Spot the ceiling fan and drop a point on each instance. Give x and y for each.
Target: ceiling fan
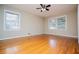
(44, 7)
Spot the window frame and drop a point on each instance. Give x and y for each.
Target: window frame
(56, 18)
(15, 13)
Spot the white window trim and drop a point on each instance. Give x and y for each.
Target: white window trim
(5, 20)
(56, 22)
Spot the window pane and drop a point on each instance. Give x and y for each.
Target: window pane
(57, 23)
(52, 24)
(11, 21)
(61, 23)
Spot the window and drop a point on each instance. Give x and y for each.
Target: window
(52, 24)
(58, 23)
(61, 23)
(12, 21)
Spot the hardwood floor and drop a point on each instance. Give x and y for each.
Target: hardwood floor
(40, 44)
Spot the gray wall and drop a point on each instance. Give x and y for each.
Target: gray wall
(36, 25)
(29, 24)
(71, 25)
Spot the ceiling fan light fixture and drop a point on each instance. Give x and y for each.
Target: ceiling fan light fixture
(44, 7)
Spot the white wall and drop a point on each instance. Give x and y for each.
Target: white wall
(71, 25)
(1, 24)
(29, 24)
(36, 25)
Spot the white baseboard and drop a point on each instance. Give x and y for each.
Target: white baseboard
(65, 35)
(34, 35)
(13, 37)
(18, 36)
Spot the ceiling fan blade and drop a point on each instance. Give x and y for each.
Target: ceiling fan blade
(47, 9)
(42, 5)
(38, 8)
(48, 5)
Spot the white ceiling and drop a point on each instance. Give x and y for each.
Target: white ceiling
(55, 9)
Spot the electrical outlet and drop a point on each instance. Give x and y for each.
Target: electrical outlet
(29, 33)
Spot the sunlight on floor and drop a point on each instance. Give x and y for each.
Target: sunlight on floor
(53, 43)
(11, 50)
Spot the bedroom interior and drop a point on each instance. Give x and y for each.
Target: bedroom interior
(39, 29)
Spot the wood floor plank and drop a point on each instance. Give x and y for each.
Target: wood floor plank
(40, 44)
